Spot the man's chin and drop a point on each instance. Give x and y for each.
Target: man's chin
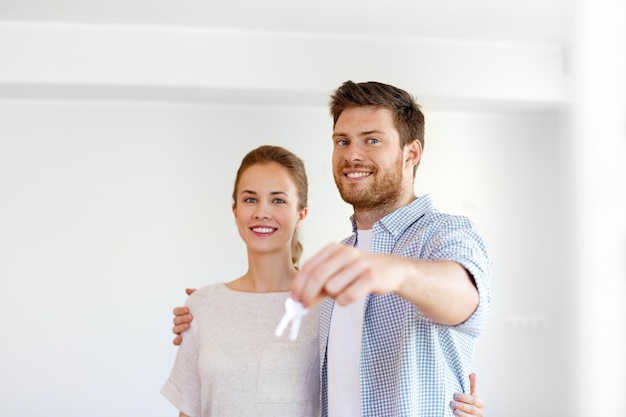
(350, 194)
(355, 199)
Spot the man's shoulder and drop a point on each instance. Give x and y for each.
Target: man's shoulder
(438, 217)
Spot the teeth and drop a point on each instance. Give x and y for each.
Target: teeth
(262, 229)
(357, 174)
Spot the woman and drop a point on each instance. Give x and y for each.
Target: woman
(231, 363)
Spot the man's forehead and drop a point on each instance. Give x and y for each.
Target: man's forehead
(364, 120)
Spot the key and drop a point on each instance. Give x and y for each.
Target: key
(294, 311)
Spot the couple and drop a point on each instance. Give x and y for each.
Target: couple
(394, 311)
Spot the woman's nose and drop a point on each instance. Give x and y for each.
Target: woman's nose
(262, 213)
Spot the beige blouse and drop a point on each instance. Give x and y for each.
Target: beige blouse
(230, 363)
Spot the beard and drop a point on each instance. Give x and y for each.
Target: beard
(384, 190)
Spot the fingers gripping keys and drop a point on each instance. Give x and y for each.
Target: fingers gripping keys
(294, 311)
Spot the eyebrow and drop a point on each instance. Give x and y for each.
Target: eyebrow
(364, 133)
(271, 193)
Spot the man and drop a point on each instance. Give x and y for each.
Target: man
(405, 297)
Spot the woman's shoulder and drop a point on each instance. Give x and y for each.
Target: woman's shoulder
(208, 291)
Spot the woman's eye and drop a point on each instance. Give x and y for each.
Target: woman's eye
(279, 201)
(249, 200)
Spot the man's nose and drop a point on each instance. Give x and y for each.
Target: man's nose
(353, 153)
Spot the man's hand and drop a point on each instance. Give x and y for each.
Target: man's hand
(182, 319)
(468, 405)
(345, 274)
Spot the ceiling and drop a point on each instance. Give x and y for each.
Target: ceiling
(531, 21)
(54, 49)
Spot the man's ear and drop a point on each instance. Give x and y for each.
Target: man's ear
(413, 152)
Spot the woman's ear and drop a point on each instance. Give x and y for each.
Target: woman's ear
(302, 214)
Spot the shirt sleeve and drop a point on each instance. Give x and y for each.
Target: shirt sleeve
(458, 240)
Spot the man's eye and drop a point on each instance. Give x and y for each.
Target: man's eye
(372, 140)
(341, 142)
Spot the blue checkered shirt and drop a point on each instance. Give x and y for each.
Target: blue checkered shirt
(410, 365)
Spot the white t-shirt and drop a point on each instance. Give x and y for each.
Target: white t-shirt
(344, 350)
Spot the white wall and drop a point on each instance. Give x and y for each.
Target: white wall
(109, 209)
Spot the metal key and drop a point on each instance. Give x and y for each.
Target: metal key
(294, 311)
